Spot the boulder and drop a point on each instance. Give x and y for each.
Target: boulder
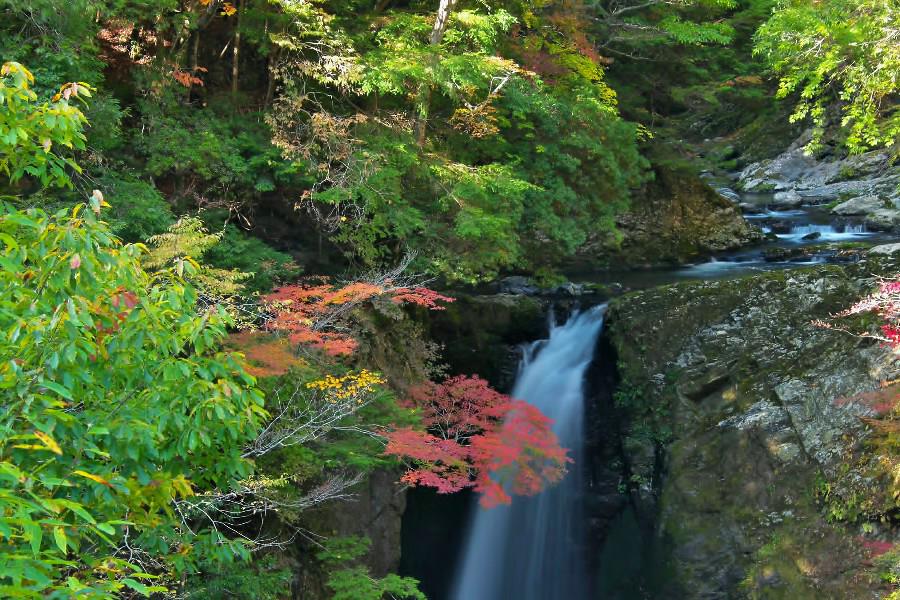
(518, 285)
(729, 194)
(780, 226)
(786, 254)
(676, 217)
(861, 205)
(786, 200)
(823, 180)
(569, 289)
(749, 401)
(751, 208)
(885, 249)
(883, 219)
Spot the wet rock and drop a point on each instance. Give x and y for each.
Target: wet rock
(786, 200)
(812, 236)
(824, 180)
(744, 445)
(374, 510)
(676, 217)
(570, 289)
(885, 249)
(729, 194)
(883, 219)
(704, 383)
(751, 208)
(519, 285)
(785, 254)
(482, 333)
(861, 205)
(779, 226)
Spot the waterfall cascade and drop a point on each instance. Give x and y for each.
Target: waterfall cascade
(532, 549)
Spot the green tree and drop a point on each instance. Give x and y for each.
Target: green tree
(119, 407)
(436, 133)
(31, 133)
(647, 28)
(843, 52)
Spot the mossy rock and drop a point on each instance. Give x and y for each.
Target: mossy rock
(480, 334)
(739, 388)
(675, 218)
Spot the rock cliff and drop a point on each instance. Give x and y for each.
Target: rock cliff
(676, 217)
(735, 428)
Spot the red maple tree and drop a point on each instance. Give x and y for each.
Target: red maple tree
(314, 314)
(477, 437)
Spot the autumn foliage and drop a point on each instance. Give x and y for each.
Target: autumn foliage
(477, 437)
(266, 355)
(313, 314)
(881, 401)
(885, 303)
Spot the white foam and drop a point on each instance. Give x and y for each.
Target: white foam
(827, 233)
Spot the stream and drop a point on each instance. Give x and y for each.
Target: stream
(795, 237)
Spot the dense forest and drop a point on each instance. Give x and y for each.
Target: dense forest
(237, 233)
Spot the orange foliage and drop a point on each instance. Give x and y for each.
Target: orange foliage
(186, 78)
(266, 355)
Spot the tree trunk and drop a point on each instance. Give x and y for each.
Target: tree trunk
(274, 53)
(236, 50)
(445, 9)
(193, 61)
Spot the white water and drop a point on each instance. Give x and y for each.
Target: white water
(532, 550)
(775, 214)
(716, 268)
(827, 233)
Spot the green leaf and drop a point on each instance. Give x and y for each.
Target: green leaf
(59, 389)
(59, 536)
(34, 535)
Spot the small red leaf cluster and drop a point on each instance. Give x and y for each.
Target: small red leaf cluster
(108, 321)
(881, 401)
(312, 314)
(875, 547)
(886, 303)
(477, 437)
(420, 296)
(891, 334)
(187, 78)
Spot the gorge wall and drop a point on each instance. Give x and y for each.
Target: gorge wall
(734, 427)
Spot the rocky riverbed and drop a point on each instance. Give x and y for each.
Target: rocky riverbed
(864, 185)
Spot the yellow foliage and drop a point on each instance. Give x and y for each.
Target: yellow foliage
(348, 387)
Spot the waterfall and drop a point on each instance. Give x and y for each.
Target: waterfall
(532, 549)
